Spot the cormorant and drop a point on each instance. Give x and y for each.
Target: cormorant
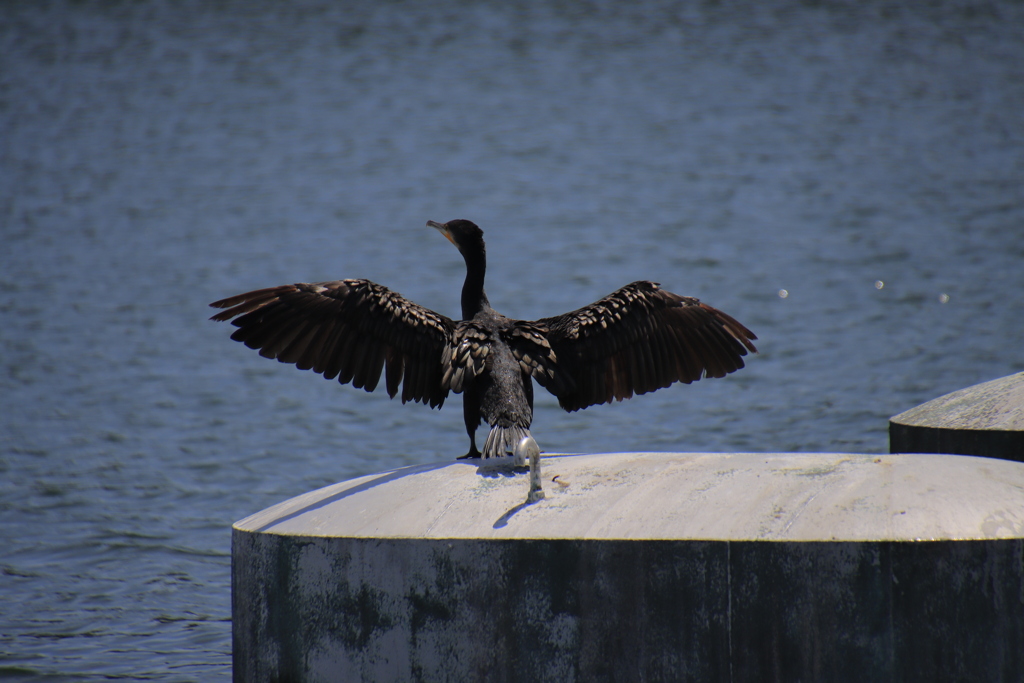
(637, 339)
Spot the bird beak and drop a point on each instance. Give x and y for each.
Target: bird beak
(443, 229)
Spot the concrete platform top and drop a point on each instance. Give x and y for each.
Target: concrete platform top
(995, 405)
(673, 496)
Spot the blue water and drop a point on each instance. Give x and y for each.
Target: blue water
(866, 158)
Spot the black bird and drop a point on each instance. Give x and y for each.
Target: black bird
(637, 339)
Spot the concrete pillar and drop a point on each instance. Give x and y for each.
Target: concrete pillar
(642, 566)
(985, 419)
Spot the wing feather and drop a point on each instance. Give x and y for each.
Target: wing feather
(363, 363)
(294, 351)
(338, 355)
(374, 371)
(276, 340)
(317, 346)
(349, 329)
(638, 339)
(394, 371)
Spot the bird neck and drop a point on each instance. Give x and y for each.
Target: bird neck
(474, 299)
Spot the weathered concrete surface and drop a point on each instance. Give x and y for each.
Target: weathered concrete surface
(655, 566)
(986, 419)
(673, 496)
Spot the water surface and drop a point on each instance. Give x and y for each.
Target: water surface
(865, 158)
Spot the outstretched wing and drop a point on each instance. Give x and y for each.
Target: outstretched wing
(349, 329)
(638, 339)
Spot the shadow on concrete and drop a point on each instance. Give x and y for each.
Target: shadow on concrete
(488, 471)
(383, 478)
(503, 520)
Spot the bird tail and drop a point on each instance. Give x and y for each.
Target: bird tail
(501, 443)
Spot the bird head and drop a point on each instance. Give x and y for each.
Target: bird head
(461, 233)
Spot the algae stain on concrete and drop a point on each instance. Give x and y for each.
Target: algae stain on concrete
(355, 616)
(435, 605)
(282, 592)
(427, 607)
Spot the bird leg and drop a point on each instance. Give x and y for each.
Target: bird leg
(473, 452)
(471, 414)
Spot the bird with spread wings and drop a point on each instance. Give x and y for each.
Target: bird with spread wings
(638, 339)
